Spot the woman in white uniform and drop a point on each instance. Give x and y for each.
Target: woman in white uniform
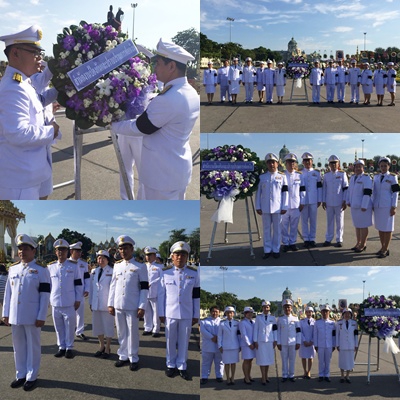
(228, 344)
(102, 320)
(210, 81)
(347, 343)
(246, 327)
(358, 198)
(235, 79)
(366, 83)
(384, 200)
(307, 350)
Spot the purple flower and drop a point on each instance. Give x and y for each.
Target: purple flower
(69, 42)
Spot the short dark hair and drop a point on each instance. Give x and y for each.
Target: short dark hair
(214, 307)
(181, 67)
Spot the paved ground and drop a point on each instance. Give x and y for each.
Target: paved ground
(237, 251)
(298, 116)
(86, 377)
(380, 387)
(100, 172)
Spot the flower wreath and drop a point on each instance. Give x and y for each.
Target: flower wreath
(122, 93)
(298, 72)
(215, 184)
(381, 327)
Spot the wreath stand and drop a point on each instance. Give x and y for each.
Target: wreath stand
(299, 96)
(78, 148)
(249, 230)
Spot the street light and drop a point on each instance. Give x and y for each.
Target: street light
(363, 289)
(230, 28)
(365, 40)
(133, 5)
(362, 151)
(223, 276)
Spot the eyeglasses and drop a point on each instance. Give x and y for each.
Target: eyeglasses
(37, 53)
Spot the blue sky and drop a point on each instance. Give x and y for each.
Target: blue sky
(153, 18)
(320, 145)
(147, 222)
(316, 284)
(315, 24)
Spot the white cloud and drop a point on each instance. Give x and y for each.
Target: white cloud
(53, 214)
(35, 2)
(342, 29)
(350, 291)
(337, 278)
(4, 4)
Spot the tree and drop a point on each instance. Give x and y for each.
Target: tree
(73, 237)
(194, 241)
(189, 40)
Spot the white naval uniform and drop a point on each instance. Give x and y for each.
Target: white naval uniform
(265, 334)
(235, 78)
(210, 80)
(346, 342)
(179, 303)
(341, 77)
(289, 335)
(296, 196)
(269, 80)
(358, 196)
(248, 78)
(271, 198)
(222, 80)
(229, 340)
(391, 80)
(353, 78)
(209, 349)
(380, 81)
(26, 299)
(316, 81)
(246, 328)
(83, 269)
(128, 292)
(366, 81)
(384, 196)
(151, 318)
(165, 169)
(325, 341)
(23, 138)
(259, 79)
(330, 82)
(280, 81)
(334, 195)
(313, 184)
(307, 335)
(66, 289)
(102, 320)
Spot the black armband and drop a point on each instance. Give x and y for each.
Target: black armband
(370, 77)
(86, 275)
(384, 75)
(285, 188)
(144, 124)
(196, 293)
(78, 282)
(44, 287)
(144, 285)
(319, 184)
(298, 330)
(355, 332)
(334, 332)
(395, 188)
(345, 188)
(274, 327)
(367, 192)
(302, 188)
(238, 332)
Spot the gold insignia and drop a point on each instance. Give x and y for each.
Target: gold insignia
(119, 261)
(192, 268)
(165, 90)
(53, 262)
(40, 34)
(14, 263)
(40, 263)
(17, 77)
(181, 245)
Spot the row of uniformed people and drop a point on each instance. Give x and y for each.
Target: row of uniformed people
(223, 339)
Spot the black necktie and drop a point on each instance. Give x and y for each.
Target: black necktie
(382, 176)
(266, 317)
(308, 322)
(100, 273)
(347, 324)
(230, 324)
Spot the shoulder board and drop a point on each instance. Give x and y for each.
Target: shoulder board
(192, 268)
(40, 263)
(15, 263)
(167, 268)
(165, 90)
(298, 172)
(392, 173)
(17, 77)
(280, 172)
(73, 261)
(377, 173)
(340, 170)
(53, 262)
(119, 261)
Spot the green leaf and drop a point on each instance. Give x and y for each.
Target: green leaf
(62, 98)
(83, 123)
(71, 114)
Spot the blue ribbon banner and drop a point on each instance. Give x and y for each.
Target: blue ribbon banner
(227, 166)
(302, 65)
(380, 312)
(94, 69)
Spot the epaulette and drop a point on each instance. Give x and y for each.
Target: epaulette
(117, 262)
(167, 267)
(73, 261)
(165, 90)
(392, 173)
(298, 172)
(53, 262)
(40, 263)
(17, 262)
(192, 268)
(17, 77)
(280, 172)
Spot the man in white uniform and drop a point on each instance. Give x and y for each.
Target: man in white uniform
(222, 80)
(165, 169)
(24, 137)
(26, 300)
(353, 79)
(269, 80)
(249, 73)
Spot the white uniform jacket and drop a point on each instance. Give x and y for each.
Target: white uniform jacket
(265, 330)
(100, 289)
(385, 191)
(366, 77)
(154, 273)
(330, 76)
(313, 184)
(249, 74)
(27, 293)
(316, 77)
(307, 330)
(209, 329)
(324, 333)
(359, 192)
(210, 76)
(296, 189)
(346, 338)
(341, 74)
(289, 332)
(272, 193)
(354, 76)
(129, 286)
(229, 336)
(222, 76)
(280, 76)
(391, 80)
(334, 188)
(66, 283)
(83, 269)
(269, 76)
(246, 332)
(180, 293)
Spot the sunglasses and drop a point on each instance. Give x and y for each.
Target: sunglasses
(37, 53)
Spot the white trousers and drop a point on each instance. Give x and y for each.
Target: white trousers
(249, 89)
(330, 92)
(31, 193)
(269, 91)
(290, 224)
(177, 333)
(207, 359)
(316, 93)
(153, 194)
(151, 319)
(80, 319)
(324, 361)
(224, 93)
(341, 88)
(27, 351)
(64, 319)
(128, 335)
(288, 356)
(309, 222)
(355, 92)
(334, 215)
(272, 232)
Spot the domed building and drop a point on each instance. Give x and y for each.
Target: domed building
(291, 51)
(283, 153)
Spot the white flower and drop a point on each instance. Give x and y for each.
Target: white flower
(78, 61)
(90, 55)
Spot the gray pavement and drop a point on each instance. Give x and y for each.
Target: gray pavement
(86, 377)
(237, 251)
(297, 116)
(384, 383)
(100, 172)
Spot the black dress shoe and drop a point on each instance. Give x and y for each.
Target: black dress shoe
(266, 255)
(121, 363)
(285, 248)
(306, 244)
(326, 244)
(82, 336)
(283, 379)
(16, 383)
(184, 375)
(219, 380)
(29, 385)
(293, 247)
(170, 372)
(203, 381)
(60, 353)
(99, 353)
(247, 383)
(156, 335)
(339, 244)
(354, 248)
(292, 380)
(327, 379)
(320, 379)
(384, 254)
(276, 255)
(146, 333)
(360, 250)
(348, 380)
(134, 366)
(312, 243)
(69, 354)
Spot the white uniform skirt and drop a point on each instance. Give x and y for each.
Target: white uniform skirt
(306, 352)
(248, 353)
(367, 89)
(103, 323)
(346, 359)
(234, 88)
(210, 88)
(265, 354)
(382, 219)
(361, 219)
(230, 356)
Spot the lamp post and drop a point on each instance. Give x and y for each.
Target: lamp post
(230, 27)
(363, 290)
(365, 40)
(223, 276)
(133, 5)
(362, 148)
